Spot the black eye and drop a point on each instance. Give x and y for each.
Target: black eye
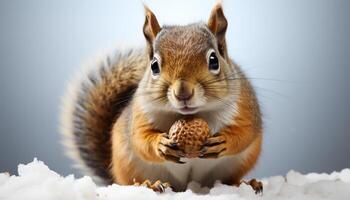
(213, 62)
(155, 67)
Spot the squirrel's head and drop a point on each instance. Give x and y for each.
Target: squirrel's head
(189, 69)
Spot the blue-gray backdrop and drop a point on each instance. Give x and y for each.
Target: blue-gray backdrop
(296, 52)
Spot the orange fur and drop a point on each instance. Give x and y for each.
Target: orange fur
(244, 132)
(250, 160)
(144, 143)
(122, 168)
(145, 138)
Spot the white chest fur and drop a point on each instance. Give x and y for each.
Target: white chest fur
(203, 170)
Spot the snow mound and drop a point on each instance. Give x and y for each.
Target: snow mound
(35, 181)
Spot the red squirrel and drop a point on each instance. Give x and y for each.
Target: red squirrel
(116, 116)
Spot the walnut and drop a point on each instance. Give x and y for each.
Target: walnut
(190, 135)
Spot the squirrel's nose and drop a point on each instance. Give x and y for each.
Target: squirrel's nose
(183, 90)
(184, 95)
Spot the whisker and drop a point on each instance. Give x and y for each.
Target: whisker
(232, 75)
(272, 91)
(227, 103)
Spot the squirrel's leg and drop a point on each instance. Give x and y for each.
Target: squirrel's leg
(230, 141)
(139, 141)
(152, 145)
(157, 186)
(156, 147)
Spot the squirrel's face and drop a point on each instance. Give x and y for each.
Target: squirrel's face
(189, 70)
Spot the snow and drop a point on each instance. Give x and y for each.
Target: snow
(35, 181)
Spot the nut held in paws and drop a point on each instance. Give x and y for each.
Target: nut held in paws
(190, 134)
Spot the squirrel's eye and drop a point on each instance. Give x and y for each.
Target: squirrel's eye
(155, 67)
(213, 63)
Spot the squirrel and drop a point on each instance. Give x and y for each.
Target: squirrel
(116, 116)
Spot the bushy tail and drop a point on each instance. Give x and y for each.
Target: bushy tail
(92, 104)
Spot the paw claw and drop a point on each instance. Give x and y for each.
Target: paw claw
(256, 185)
(213, 151)
(174, 144)
(203, 150)
(169, 151)
(157, 186)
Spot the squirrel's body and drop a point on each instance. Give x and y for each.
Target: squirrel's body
(116, 117)
(229, 169)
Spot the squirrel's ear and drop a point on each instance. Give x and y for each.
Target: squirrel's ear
(217, 24)
(150, 28)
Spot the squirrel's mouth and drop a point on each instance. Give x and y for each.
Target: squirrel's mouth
(188, 110)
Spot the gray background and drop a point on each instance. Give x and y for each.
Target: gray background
(296, 53)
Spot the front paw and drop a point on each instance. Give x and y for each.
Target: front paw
(169, 150)
(214, 147)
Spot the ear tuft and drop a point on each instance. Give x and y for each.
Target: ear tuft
(217, 24)
(151, 26)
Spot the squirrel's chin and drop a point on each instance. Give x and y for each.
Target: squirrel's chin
(187, 110)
